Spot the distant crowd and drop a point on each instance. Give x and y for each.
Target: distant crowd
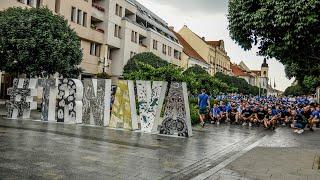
(298, 113)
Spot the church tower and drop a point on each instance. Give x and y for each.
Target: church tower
(265, 69)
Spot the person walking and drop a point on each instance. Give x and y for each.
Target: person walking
(204, 105)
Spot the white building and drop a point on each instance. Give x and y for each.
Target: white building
(133, 29)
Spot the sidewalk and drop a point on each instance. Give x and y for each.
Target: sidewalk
(2, 107)
(60, 151)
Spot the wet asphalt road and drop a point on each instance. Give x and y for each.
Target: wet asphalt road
(36, 150)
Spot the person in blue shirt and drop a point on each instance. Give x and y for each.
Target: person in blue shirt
(215, 114)
(204, 104)
(315, 117)
(224, 111)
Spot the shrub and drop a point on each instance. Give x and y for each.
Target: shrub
(103, 75)
(196, 70)
(145, 58)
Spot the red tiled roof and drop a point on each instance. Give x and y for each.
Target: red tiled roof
(237, 71)
(188, 49)
(214, 43)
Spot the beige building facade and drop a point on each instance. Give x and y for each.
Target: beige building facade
(111, 31)
(213, 52)
(190, 57)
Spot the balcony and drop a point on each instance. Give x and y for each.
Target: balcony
(97, 24)
(142, 41)
(98, 10)
(98, 7)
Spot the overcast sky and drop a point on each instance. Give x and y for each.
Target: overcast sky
(208, 18)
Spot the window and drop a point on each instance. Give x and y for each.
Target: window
(169, 50)
(39, 3)
(164, 49)
(57, 6)
(132, 54)
(120, 13)
(117, 31)
(177, 54)
(84, 20)
(118, 10)
(134, 36)
(73, 14)
(95, 49)
(155, 44)
(79, 17)
(29, 2)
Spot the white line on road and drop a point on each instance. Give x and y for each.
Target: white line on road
(223, 164)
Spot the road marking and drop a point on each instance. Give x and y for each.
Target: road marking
(223, 164)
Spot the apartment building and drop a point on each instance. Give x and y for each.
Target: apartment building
(213, 52)
(133, 29)
(87, 18)
(111, 31)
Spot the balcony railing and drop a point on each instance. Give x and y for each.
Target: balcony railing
(141, 44)
(98, 7)
(94, 27)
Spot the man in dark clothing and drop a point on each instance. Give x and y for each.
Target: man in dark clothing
(247, 116)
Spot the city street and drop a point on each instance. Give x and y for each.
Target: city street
(36, 150)
(159, 90)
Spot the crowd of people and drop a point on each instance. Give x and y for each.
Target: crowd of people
(298, 113)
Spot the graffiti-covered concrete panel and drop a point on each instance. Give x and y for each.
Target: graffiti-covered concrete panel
(21, 98)
(177, 114)
(96, 101)
(69, 101)
(48, 105)
(150, 100)
(124, 109)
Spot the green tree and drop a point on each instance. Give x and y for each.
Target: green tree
(310, 83)
(286, 30)
(294, 91)
(35, 42)
(145, 58)
(167, 73)
(196, 70)
(238, 85)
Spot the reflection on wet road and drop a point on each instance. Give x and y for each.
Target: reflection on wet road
(36, 150)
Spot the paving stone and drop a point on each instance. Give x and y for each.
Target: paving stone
(36, 150)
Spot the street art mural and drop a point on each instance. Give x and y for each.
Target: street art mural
(123, 113)
(96, 101)
(177, 113)
(69, 101)
(21, 98)
(48, 105)
(150, 100)
(89, 102)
